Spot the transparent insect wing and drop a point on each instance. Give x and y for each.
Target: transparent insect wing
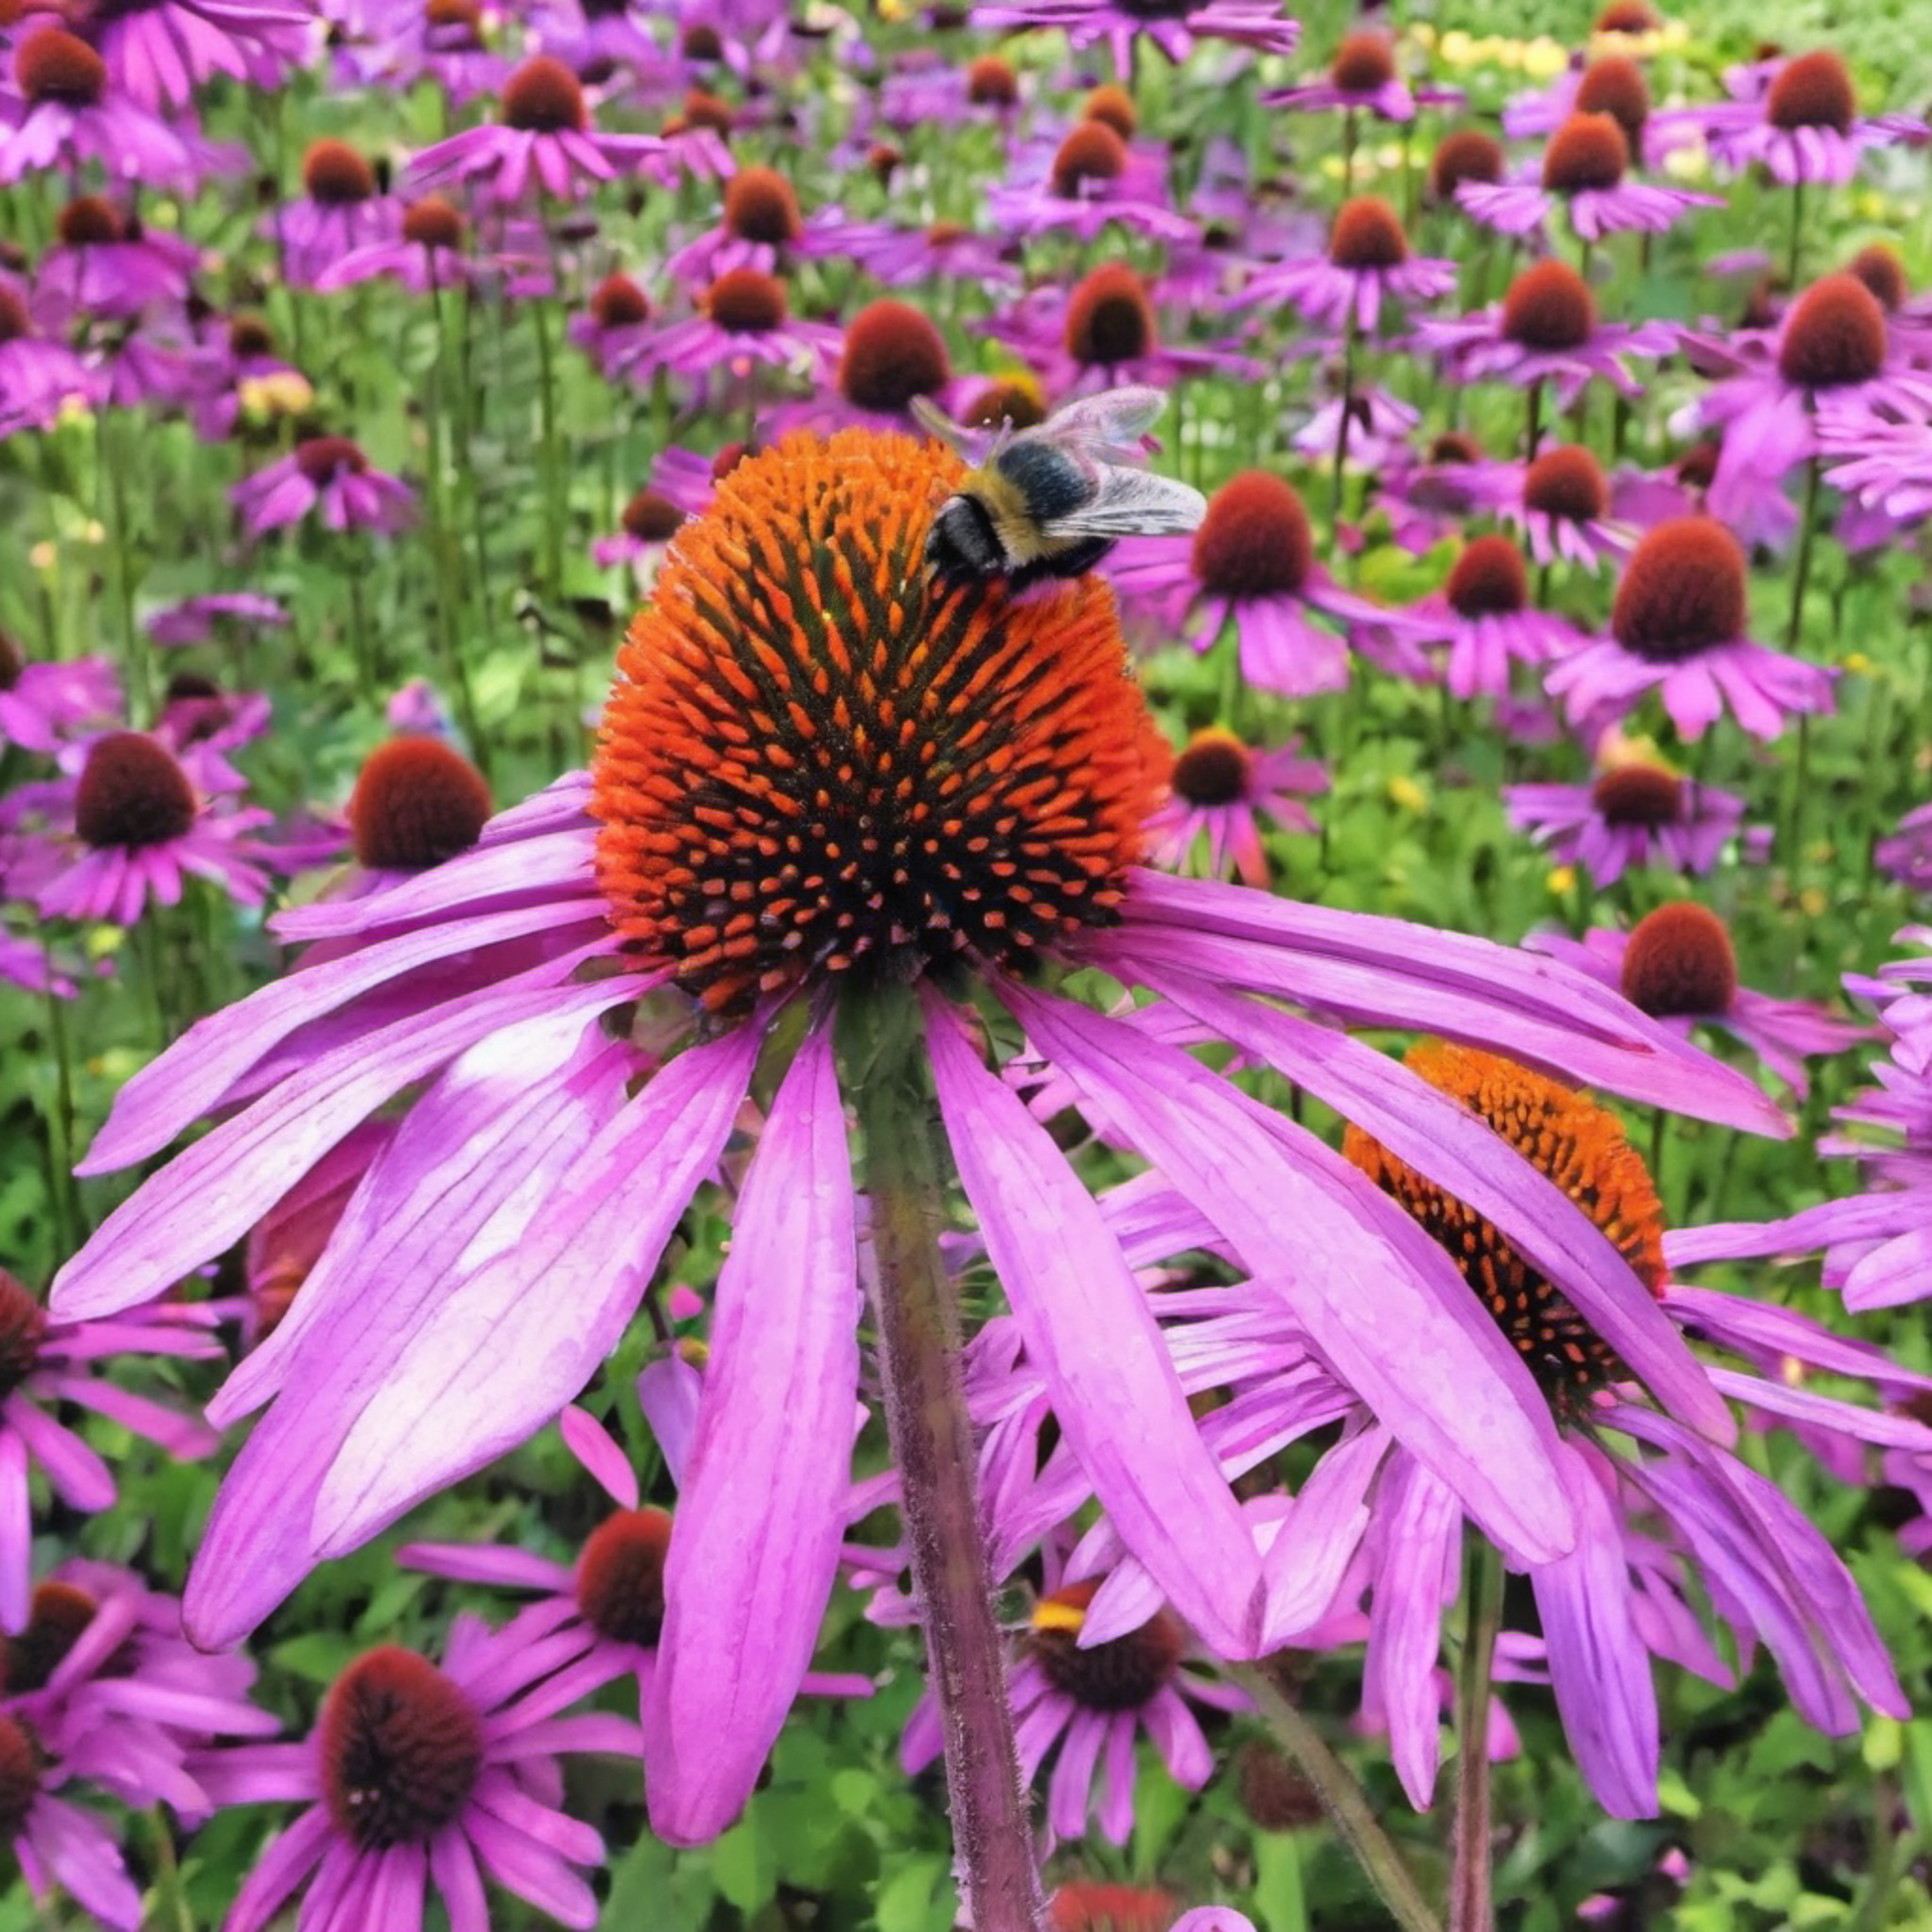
(1111, 424)
(1131, 503)
(976, 446)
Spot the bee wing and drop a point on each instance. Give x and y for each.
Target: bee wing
(1111, 423)
(1131, 503)
(977, 446)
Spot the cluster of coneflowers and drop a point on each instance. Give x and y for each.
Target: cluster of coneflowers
(855, 847)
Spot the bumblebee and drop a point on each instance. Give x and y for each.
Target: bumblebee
(1053, 501)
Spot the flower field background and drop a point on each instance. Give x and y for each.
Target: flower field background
(1562, 400)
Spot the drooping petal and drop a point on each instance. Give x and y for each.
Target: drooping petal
(1380, 1301)
(1091, 1335)
(760, 1516)
(1421, 1528)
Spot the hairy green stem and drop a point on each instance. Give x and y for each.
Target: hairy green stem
(917, 1314)
(1342, 1798)
(1471, 1903)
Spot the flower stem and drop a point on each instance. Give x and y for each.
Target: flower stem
(1797, 236)
(1342, 1798)
(917, 1314)
(1348, 418)
(1471, 1905)
(1801, 569)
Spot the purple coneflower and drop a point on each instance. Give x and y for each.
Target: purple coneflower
(1173, 25)
(826, 777)
(759, 226)
(1545, 330)
(1562, 502)
(403, 42)
(1907, 854)
(195, 620)
(418, 802)
(1636, 813)
(342, 209)
(426, 254)
(67, 114)
(1467, 154)
(1367, 263)
(1677, 628)
(1361, 76)
(46, 1364)
(1251, 564)
(328, 475)
(105, 265)
(1219, 790)
(614, 329)
(1886, 466)
(1093, 1700)
(1678, 965)
(39, 376)
(747, 324)
(422, 1782)
(158, 51)
(1091, 179)
(1485, 618)
(545, 135)
(1584, 171)
(43, 704)
(650, 519)
(1612, 84)
(1804, 127)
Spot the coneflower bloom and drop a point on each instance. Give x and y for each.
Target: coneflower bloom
(1251, 564)
(67, 113)
(195, 620)
(1220, 790)
(39, 376)
(1677, 628)
(1545, 330)
(422, 1781)
(1610, 83)
(1093, 1700)
(614, 329)
(1093, 177)
(759, 226)
(1173, 25)
(330, 475)
(650, 519)
(46, 1364)
(1562, 502)
(1466, 155)
(1367, 263)
(105, 265)
(158, 51)
(43, 703)
(1907, 854)
(1485, 621)
(1834, 344)
(417, 803)
(341, 209)
(130, 828)
(746, 324)
(1803, 127)
(1584, 172)
(1678, 965)
(544, 138)
(892, 355)
(824, 772)
(1636, 813)
(426, 254)
(1883, 466)
(1361, 76)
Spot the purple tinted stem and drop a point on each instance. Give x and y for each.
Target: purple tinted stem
(916, 1315)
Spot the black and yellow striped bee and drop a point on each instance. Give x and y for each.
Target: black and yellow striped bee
(1053, 501)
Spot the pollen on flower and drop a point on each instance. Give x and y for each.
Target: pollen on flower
(747, 302)
(1122, 1674)
(1587, 151)
(1641, 797)
(893, 353)
(401, 1747)
(1083, 1905)
(543, 97)
(432, 224)
(1488, 579)
(1682, 592)
(1108, 320)
(620, 1576)
(1016, 404)
(1113, 107)
(1575, 1143)
(821, 760)
(1834, 335)
(1679, 960)
(23, 1322)
(416, 803)
(322, 458)
(88, 221)
(1879, 268)
(56, 1618)
(334, 174)
(761, 206)
(52, 64)
(1367, 233)
(1466, 155)
(1566, 483)
(1363, 63)
(1211, 769)
(1092, 152)
(992, 82)
(20, 1777)
(1813, 90)
(619, 303)
(132, 793)
(1549, 307)
(651, 517)
(1255, 540)
(1615, 85)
